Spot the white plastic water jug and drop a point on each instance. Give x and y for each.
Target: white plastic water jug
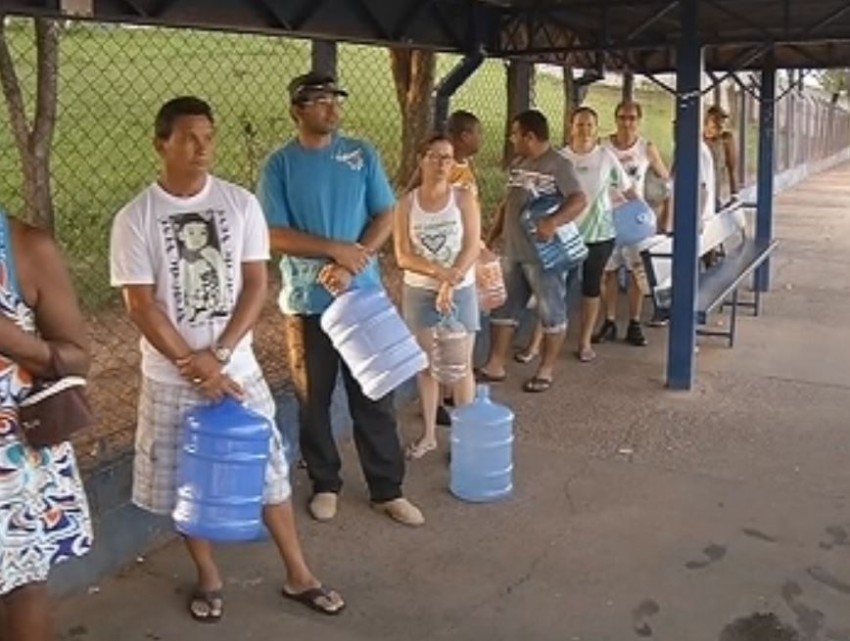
(373, 340)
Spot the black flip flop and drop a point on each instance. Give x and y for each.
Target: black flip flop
(211, 600)
(483, 377)
(311, 598)
(535, 385)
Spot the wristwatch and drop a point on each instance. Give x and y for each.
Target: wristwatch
(222, 354)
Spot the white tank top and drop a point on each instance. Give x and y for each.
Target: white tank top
(635, 161)
(436, 236)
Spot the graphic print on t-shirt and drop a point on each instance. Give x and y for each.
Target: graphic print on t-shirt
(200, 267)
(534, 182)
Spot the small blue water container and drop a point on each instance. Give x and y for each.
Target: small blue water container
(221, 472)
(482, 441)
(634, 222)
(375, 343)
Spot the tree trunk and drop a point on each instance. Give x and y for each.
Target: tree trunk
(628, 86)
(414, 72)
(34, 141)
(570, 95)
(520, 78)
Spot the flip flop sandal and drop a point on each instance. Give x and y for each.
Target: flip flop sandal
(483, 377)
(535, 385)
(206, 606)
(586, 356)
(416, 451)
(316, 599)
(524, 357)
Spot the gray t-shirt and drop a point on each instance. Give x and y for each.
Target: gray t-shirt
(528, 179)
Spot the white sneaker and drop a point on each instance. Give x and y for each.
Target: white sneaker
(323, 506)
(401, 510)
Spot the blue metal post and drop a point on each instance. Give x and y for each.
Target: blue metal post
(686, 215)
(451, 83)
(764, 211)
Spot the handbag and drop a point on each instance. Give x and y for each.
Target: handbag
(56, 408)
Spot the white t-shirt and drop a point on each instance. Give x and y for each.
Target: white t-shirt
(706, 180)
(599, 172)
(437, 237)
(191, 250)
(635, 160)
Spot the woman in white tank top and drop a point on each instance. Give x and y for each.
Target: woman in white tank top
(437, 234)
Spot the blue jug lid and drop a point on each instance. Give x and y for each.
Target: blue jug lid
(483, 409)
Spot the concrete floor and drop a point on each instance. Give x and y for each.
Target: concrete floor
(638, 512)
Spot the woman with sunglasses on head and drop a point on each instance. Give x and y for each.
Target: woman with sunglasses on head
(437, 232)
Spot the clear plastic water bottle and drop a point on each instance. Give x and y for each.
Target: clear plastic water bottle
(489, 281)
(450, 351)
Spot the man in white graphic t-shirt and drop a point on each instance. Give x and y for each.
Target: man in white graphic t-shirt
(189, 254)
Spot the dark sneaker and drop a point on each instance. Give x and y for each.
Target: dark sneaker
(443, 417)
(634, 335)
(606, 334)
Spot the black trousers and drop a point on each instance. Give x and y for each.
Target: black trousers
(314, 365)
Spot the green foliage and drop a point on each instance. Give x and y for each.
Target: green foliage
(114, 78)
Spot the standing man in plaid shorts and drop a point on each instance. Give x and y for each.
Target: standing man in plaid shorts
(189, 254)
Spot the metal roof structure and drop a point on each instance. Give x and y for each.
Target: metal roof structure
(640, 35)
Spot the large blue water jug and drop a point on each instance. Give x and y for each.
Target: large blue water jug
(373, 340)
(221, 472)
(482, 449)
(563, 250)
(634, 222)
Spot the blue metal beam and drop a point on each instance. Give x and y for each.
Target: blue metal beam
(764, 211)
(682, 339)
(453, 81)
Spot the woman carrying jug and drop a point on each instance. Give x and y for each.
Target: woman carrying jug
(436, 234)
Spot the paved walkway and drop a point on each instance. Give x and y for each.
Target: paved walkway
(639, 513)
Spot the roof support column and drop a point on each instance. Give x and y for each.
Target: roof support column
(764, 212)
(453, 81)
(323, 54)
(686, 216)
(743, 125)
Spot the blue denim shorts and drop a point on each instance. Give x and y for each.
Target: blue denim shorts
(419, 308)
(549, 288)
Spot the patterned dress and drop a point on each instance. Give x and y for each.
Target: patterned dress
(44, 516)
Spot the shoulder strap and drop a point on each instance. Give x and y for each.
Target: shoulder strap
(6, 256)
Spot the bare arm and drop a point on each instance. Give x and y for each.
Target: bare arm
(656, 163)
(571, 209)
(378, 231)
(471, 219)
(153, 323)
(47, 288)
(248, 306)
(498, 226)
(404, 255)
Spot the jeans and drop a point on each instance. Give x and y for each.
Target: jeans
(314, 364)
(549, 289)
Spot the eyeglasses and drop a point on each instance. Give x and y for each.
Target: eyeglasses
(439, 158)
(324, 101)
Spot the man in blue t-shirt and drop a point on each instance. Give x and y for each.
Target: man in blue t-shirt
(329, 206)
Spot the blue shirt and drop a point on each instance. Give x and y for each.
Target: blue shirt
(334, 192)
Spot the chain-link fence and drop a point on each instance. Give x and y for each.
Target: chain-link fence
(113, 78)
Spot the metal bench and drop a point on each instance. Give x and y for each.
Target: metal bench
(719, 284)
